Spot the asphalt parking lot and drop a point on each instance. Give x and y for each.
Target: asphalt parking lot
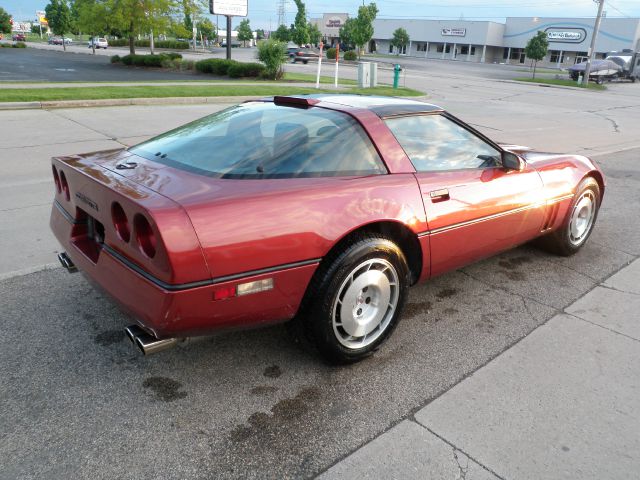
(79, 402)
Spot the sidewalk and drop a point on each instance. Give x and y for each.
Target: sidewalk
(562, 403)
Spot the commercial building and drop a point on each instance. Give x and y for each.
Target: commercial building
(330, 25)
(493, 42)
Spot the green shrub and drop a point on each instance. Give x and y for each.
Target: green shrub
(19, 45)
(127, 59)
(246, 70)
(172, 55)
(116, 59)
(350, 55)
(174, 44)
(216, 66)
(331, 53)
(273, 54)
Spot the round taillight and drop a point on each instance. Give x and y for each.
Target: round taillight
(120, 222)
(64, 185)
(144, 235)
(56, 179)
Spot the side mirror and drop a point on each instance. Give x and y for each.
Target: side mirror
(511, 161)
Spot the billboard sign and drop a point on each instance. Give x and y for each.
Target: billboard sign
(231, 8)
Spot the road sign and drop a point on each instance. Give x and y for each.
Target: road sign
(230, 8)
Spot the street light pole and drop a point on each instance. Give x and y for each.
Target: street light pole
(228, 37)
(594, 36)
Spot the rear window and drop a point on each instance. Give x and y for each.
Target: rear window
(264, 140)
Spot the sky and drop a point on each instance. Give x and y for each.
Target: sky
(263, 13)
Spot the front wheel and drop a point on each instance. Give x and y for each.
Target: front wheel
(579, 222)
(356, 301)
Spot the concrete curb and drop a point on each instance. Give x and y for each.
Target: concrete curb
(123, 102)
(546, 85)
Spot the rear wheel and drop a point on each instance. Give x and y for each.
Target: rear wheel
(355, 302)
(579, 222)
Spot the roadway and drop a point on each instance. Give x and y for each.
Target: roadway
(79, 402)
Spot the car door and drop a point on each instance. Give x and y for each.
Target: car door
(474, 206)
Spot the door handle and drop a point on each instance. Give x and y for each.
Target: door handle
(439, 195)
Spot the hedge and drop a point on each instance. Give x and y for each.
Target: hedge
(238, 70)
(175, 44)
(216, 66)
(331, 53)
(351, 55)
(13, 45)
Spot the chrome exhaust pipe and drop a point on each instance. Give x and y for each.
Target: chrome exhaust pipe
(67, 263)
(147, 343)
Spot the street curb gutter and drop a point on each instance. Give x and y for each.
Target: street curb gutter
(120, 102)
(138, 101)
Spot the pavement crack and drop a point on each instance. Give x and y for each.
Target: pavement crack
(603, 327)
(462, 471)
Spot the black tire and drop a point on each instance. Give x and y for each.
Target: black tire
(305, 61)
(366, 257)
(562, 242)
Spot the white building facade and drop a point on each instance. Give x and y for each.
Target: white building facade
(492, 42)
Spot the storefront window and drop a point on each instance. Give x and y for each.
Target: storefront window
(557, 56)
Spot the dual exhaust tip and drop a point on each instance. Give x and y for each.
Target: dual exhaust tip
(147, 343)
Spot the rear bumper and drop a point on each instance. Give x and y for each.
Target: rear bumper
(188, 311)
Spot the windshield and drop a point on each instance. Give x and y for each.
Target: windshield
(264, 140)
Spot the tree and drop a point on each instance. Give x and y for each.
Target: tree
(140, 17)
(346, 33)
(244, 31)
(282, 34)
(299, 30)
(92, 17)
(59, 18)
(363, 25)
(259, 34)
(207, 29)
(400, 39)
(273, 54)
(314, 33)
(537, 48)
(5, 21)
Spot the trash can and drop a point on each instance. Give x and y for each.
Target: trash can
(364, 74)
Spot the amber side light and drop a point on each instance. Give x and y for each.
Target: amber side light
(56, 179)
(64, 185)
(120, 222)
(144, 235)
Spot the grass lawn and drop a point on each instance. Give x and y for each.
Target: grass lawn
(307, 77)
(565, 83)
(112, 92)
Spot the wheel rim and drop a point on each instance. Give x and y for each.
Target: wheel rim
(366, 303)
(582, 216)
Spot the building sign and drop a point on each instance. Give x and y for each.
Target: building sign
(331, 24)
(453, 32)
(566, 35)
(231, 8)
(42, 18)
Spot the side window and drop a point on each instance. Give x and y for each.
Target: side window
(433, 143)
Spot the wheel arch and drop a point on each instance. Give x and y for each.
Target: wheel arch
(598, 177)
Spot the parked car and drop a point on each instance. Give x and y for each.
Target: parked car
(19, 37)
(58, 41)
(322, 209)
(305, 55)
(99, 43)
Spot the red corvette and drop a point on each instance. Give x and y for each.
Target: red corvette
(323, 209)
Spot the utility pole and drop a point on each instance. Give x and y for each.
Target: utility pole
(228, 37)
(592, 49)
